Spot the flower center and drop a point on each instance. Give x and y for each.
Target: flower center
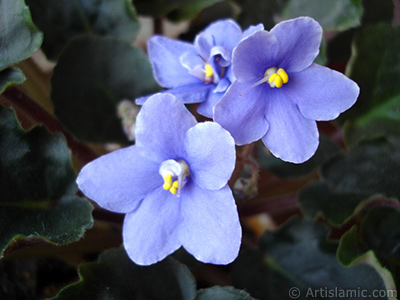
(208, 73)
(276, 77)
(175, 175)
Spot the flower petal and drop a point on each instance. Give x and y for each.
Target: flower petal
(299, 40)
(252, 29)
(150, 233)
(161, 127)
(190, 60)
(225, 33)
(118, 181)
(210, 153)
(254, 55)
(164, 55)
(210, 228)
(243, 114)
(322, 93)
(206, 107)
(192, 93)
(290, 136)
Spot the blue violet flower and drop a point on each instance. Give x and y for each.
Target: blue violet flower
(199, 72)
(280, 93)
(172, 186)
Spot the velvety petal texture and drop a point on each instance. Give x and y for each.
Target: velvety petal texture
(171, 148)
(338, 94)
(254, 55)
(151, 232)
(283, 111)
(242, 113)
(119, 180)
(211, 160)
(164, 54)
(290, 136)
(210, 228)
(225, 33)
(299, 40)
(161, 127)
(182, 67)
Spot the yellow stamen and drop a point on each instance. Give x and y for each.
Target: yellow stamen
(209, 71)
(173, 190)
(278, 81)
(285, 78)
(271, 78)
(175, 184)
(167, 182)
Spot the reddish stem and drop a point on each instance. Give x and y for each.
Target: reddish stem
(31, 113)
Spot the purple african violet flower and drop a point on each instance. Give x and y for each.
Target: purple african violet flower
(280, 93)
(199, 72)
(172, 185)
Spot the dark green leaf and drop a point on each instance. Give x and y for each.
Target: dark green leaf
(19, 37)
(375, 67)
(115, 276)
(10, 77)
(35, 165)
(64, 223)
(222, 293)
(190, 10)
(317, 198)
(297, 258)
(92, 76)
(379, 231)
(326, 150)
(35, 173)
(259, 11)
(350, 247)
(377, 11)
(179, 9)
(61, 20)
(370, 168)
(332, 15)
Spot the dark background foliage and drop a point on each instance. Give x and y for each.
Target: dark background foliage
(331, 223)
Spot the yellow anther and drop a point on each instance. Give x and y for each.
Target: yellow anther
(278, 81)
(209, 71)
(271, 78)
(282, 74)
(173, 190)
(167, 182)
(175, 184)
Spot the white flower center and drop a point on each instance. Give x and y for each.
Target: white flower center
(175, 175)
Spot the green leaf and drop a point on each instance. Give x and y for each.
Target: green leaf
(115, 276)
(298, 259)
(332, 15)
(9, 77)
(92, 76)
(375, 67)
(18, 35)
(369, 168)
(377, 11)
(325, 151)
(37, 183)
(259, 11)
(190, 10)
(177, 10)
(222, 293)
(62, 20)
(379, 231)
(337, 207)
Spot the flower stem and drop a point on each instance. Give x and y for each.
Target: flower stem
(30, 113)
